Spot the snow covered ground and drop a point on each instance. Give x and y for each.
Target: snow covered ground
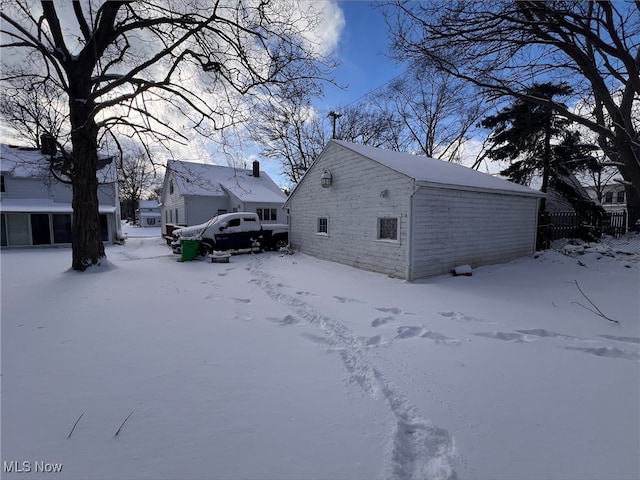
(287, 367)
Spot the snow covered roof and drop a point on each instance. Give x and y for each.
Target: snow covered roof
(216, 180)
(27, 162)
(148, 204)
(429, 170)
(43, 205)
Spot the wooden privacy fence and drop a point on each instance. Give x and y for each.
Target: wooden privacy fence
(555, 225)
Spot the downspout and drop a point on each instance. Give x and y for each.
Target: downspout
(185, 202)
(410, 242)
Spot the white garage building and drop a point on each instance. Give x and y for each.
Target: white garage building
(408, 216)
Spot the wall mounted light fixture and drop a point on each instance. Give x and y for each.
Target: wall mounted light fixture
(326, 179)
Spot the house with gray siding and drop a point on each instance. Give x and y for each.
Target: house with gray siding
(148, 213)
(35, 207)
(408, 216)
(193, 193)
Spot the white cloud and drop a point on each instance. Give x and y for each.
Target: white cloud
(328, 30)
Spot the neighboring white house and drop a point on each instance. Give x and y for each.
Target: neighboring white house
(193, 193)
(36, 208)
(148, 213)
(614, 197)
(408, 216)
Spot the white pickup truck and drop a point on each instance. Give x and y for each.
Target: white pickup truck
(233, 231)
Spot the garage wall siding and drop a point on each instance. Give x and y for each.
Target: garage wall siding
(457, 227)
(362, 191)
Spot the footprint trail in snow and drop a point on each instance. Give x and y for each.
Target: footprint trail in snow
(418, 448)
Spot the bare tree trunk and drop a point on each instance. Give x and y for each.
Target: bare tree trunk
(86, 241)
(86, 238)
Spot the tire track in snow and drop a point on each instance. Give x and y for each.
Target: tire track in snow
(418, 449)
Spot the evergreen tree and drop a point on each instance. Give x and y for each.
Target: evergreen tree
(536, 141)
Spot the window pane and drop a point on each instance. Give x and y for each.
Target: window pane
(61, 228)
(18, 229)
(3, 230)
(608, 198)
(40, 229)
(323, 225)
(620, 198)
(388, 228)
(104, 228)
(259, 212)
(274, 214)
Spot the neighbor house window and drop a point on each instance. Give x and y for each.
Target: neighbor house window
(40, 229)
(388, 228)
(323, 225)
(104, 228)
(177, 221)
(267, 213)
(2, 184)
(171, 187)
(619, 198)
(61, 228)
(3, 230)
(17, 225)
(608, 197)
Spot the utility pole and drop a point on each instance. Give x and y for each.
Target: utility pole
(334, 116)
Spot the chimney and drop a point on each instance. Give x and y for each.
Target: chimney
(256, 168)
(47, 144)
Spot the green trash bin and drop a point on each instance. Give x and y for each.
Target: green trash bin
(189, 250)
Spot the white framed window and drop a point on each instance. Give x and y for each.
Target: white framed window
(322, 226)
(267, 214)
(388, 228)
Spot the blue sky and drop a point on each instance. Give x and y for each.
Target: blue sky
(361, 53)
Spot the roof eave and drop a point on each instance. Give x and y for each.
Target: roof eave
(504, 191)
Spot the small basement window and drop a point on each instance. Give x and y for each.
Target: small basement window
(323, 225)
(387, 228)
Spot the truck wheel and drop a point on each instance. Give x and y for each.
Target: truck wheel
(205, 248)
(279, 243)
